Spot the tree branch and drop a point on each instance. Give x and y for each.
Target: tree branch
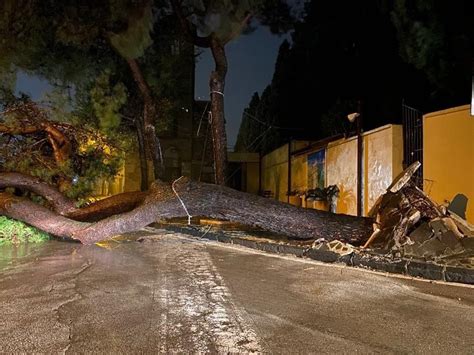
(62, 205)
(238, 30)
(188, 28)
(58, 201)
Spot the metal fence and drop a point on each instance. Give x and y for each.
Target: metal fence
(413, 140)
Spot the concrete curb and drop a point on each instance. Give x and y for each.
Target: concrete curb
(407, 267)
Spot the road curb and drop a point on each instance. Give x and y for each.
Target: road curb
(407, 267)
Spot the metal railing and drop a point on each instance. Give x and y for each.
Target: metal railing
(413, 140)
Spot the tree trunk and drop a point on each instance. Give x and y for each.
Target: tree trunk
(150, 113)
(201, 200)
(216, 85)
(62, 205)
(56, 199)
(142, 156)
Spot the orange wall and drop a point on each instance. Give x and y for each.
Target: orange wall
(448, 156)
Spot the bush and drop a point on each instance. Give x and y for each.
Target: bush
(15, 232)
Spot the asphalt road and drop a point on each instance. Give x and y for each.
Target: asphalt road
(171, 293)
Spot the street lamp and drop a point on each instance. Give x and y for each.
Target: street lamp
(357, 117)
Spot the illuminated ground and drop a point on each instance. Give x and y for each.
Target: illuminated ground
(170, 293)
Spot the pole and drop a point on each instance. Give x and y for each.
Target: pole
(289, 171)
(359, 161)
(260, 192)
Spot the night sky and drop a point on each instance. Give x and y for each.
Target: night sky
(32, 86)
(251, 59)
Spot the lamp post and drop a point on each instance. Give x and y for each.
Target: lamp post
(357, 117)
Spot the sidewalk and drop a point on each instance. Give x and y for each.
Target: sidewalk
(459, 270)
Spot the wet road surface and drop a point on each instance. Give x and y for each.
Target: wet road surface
(171, 293)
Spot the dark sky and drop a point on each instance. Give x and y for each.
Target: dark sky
(251, 60)
(32, 86)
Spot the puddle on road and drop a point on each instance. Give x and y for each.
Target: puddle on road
(12, 254)
(106, 251)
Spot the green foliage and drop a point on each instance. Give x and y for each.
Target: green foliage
(436, 39)
(97, 162)
(94, 155)
(107, 100)
(16, 232)
(74, 47)
(420, 40)
(29, 41)
(225, 18)
(133, 42)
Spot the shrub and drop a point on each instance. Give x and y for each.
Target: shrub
(16, 232)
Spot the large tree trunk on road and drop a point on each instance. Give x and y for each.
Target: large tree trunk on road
(201, 199)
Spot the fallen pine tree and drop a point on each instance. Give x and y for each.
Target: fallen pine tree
(130, 212)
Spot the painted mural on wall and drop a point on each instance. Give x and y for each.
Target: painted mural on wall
(316, 169)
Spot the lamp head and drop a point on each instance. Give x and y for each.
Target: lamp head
(352, 116)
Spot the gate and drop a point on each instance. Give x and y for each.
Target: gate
(413, 140)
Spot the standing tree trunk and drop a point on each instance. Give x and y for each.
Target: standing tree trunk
(142, 155)
(216, 85)
(150, 113)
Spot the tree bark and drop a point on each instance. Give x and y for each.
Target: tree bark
(201, 200)
(56, 199)
(150, 113)
(216, 86)
(142, 155)
(95, 211)
(107, 207)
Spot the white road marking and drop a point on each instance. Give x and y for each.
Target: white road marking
(200, 309)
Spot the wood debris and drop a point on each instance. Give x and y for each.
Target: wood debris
(408, 222)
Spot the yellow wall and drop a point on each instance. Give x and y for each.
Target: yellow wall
(275, 173)
(299, 178)
(250, 169)
(341, 170)
(107, 187)
(448, 156)
(253, 171)
(397, 152)
(383, 161)
(132, 173)
(383, 156)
